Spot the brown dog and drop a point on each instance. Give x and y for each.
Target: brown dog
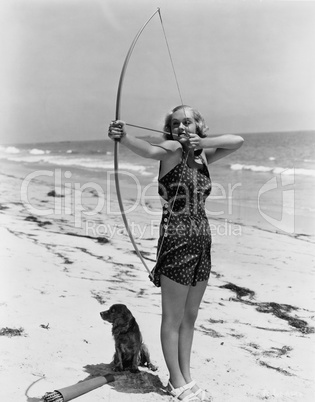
(130, 351)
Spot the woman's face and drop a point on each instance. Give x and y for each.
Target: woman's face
(182, 123)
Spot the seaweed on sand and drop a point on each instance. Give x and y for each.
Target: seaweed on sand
(282, 311)
(240, 292)
(11, 332)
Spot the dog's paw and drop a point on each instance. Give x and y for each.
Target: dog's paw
(134, 370)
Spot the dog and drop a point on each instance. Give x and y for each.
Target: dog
(130, 351)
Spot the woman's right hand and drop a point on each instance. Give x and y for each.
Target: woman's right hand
(117, 130)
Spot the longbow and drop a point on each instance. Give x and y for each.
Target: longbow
(117, 116)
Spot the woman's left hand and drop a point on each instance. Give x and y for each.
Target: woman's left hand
(117, 130)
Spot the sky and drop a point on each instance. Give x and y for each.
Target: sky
(247, 65)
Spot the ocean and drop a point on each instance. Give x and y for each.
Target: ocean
(268, 183)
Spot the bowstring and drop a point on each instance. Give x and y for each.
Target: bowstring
(186, 156)
(171, 58)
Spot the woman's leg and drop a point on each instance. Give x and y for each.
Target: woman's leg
(174, 298)
(187, 327)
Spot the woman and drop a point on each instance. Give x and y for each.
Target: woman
(183, 257)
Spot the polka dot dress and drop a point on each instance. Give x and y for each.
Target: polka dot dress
(184, 246)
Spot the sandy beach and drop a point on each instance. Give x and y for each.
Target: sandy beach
(254, 338)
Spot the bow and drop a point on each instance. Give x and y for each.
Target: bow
(116, 175)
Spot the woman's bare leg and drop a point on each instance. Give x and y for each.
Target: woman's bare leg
(186, 332)
(174, 297)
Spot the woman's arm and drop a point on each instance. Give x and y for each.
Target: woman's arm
(117, 131)
(226, 141)
(221, 146)
(217, 147)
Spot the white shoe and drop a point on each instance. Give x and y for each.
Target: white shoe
(200, 393)
(177, 392)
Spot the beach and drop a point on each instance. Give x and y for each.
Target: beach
(254, 338)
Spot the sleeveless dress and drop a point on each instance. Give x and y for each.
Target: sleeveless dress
(184, 245)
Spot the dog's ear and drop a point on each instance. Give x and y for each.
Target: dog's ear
(126, 313)
(122, 318)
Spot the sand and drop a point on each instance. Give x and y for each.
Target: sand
(254, 338)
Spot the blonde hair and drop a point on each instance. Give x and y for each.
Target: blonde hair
(199, 120)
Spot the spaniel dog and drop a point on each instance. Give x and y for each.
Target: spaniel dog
(130, 351)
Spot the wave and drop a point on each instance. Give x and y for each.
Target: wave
(29, 158)
(275, 170)
(36, 151)
(98, 164)
(10, 150)
(88, 163)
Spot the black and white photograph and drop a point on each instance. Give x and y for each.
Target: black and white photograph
(157, 192)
